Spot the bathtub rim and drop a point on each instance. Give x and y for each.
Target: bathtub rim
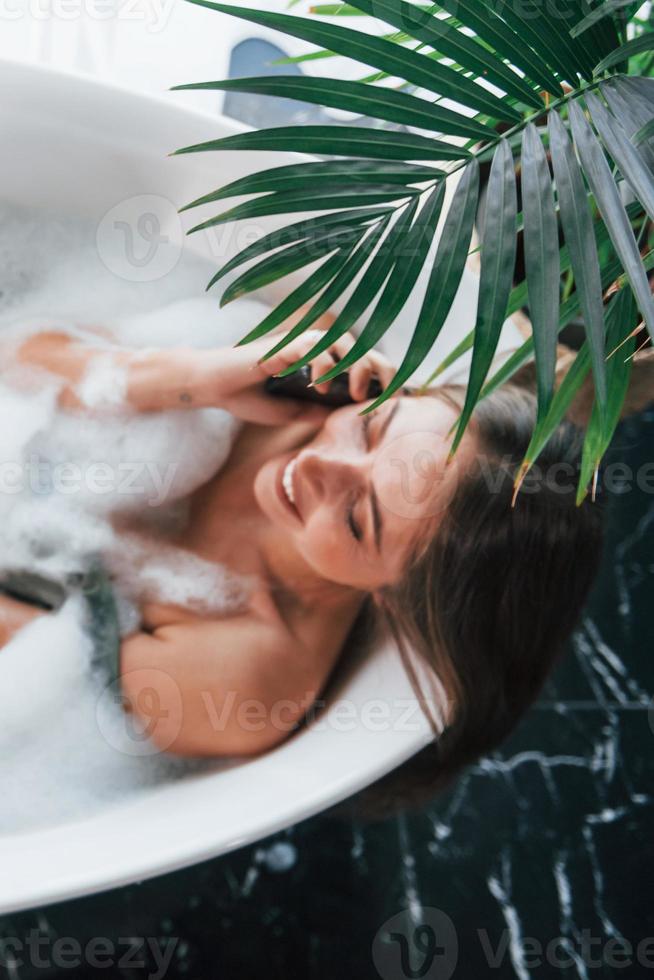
(71, 860)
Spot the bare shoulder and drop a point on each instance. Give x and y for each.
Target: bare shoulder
(232, 686)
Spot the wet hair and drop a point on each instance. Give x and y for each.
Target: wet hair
(490, 602)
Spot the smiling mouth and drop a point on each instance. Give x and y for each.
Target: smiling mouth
(287, 480)
(286, 488)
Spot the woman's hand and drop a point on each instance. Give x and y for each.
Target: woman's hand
(236, 376)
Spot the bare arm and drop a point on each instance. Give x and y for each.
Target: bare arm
(181, 378)
(154, 380)
(236, 686)
(231, 687)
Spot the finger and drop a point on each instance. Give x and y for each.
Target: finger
(343, 345)
(292, 352)
(382, 368)
(360, 375)
(321, 365)
(291, 410)
(264, 409)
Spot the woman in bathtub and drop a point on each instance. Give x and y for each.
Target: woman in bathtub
(349, 522)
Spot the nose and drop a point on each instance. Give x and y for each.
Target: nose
(327, 476)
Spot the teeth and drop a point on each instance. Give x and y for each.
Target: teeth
(287, 480)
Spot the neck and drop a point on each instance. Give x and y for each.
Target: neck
(295, 583)
(293, 578)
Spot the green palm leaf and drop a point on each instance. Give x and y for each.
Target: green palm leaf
(569, 310)
(344, 277)
(444, 280)
(610, 204)
(409, 263)
(520, 295)
(620, 318)
(283, 263)
(578, 229)
(369, 286)
(541, 244)
(595, 16)
(636, 46)
(374, 101)
(626, 156)
(642, 89)
(605, 420)
(574, 58)
(644, 134)
(634, 113)
(306, 176)
(498, 254)
(415, 68)
(561, 402)
(301, 295)
(346, 141)
(598, 39)
(447, 40)
(300, 231)
(286, 202)
(486, 24)
(497, 72)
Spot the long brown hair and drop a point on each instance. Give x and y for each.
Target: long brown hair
(491, 600)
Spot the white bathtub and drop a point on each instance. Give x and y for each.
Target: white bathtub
(72, 143)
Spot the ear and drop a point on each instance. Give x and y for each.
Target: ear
(377, 598)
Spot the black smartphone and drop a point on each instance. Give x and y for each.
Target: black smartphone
(32, 588)
(296, 385)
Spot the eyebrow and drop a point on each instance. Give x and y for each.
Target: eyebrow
(377, 522)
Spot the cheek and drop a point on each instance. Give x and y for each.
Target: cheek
(324, 545)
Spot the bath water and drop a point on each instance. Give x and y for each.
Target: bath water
(66, 746)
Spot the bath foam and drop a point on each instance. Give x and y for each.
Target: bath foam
(62, 474)
(65, 747)
(104, 384)
(168, 575)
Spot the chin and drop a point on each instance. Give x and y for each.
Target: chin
(262, 487)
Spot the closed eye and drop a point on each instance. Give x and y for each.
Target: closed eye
(366, 422)
(352, 523)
